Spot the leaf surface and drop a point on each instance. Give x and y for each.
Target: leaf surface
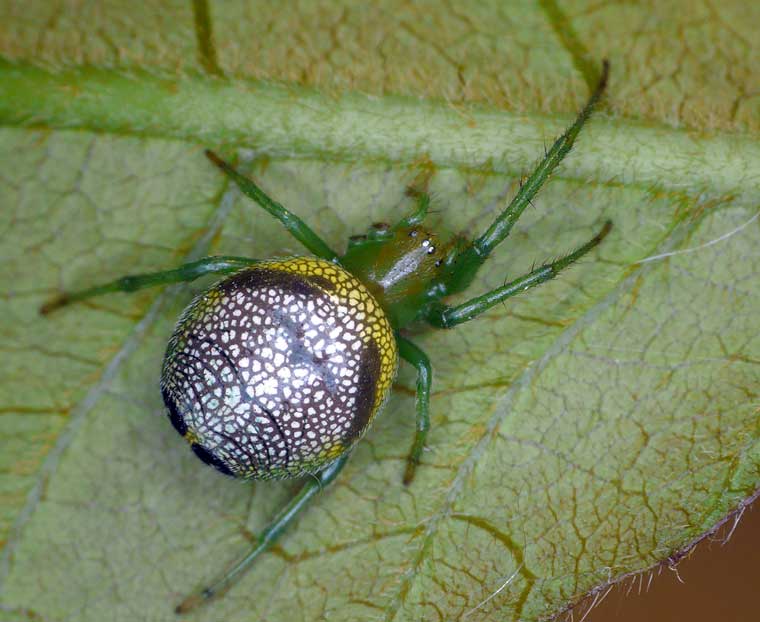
(589, 429)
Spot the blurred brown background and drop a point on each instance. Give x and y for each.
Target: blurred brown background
(720, 583)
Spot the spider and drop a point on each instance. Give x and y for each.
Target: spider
(278, 369)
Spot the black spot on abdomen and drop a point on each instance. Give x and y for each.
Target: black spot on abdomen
(177, 420)
(210, 459)
(369, 374)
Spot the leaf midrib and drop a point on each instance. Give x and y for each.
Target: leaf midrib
(288, 120)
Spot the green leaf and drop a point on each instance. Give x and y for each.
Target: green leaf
(597, 426)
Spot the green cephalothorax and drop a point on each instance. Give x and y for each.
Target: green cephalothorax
(279, 368)
(399, 269)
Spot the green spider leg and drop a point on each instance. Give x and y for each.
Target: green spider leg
(295, 226)
(444, 316)
(413, 355)
(186, 272)
(463, 264)
(422, 199)
(209, 265)
(268, 536)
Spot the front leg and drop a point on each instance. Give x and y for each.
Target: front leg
(294, 225)
(412, 354)
(444, 316)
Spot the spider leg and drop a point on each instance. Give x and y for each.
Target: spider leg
(295, 226)
(268, 536)
(412, 354)
(464, 265)
(187, 272)
(444, 316)
(422, 199)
